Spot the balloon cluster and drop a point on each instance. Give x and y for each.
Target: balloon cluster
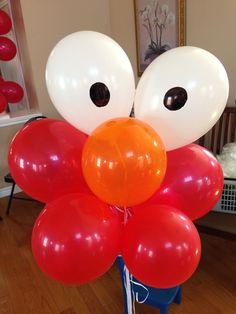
(10, 92)
(120, 185)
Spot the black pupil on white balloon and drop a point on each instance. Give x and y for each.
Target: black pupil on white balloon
(175, 98)
(99, 94)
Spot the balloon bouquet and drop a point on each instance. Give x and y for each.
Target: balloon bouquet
(113, 184)
(10, 92)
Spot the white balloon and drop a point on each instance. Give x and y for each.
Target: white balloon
(182, 94)
(86, 65)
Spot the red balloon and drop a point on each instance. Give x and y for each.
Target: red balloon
(7, 49)
(161, 246)
(3, 103)
(172, 199)
(76, 238)
(45, 159)
(5, 23)
(12, 91)
(193, 181)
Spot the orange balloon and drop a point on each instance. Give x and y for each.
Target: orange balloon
(124, 161)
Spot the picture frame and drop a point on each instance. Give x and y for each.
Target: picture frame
(160, 26)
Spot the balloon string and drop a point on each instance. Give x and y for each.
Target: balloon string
(136, 294)
(126, 211)
(128, 278)
(119, 209)
(130, 300)
(131, 296)
(126, 215)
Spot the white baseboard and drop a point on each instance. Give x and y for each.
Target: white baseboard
(6, 191)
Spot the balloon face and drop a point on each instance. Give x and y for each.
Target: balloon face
(90, 80)
(182, 94)
(76, 238)
(161, 246)
(124, 161)
(45, 159)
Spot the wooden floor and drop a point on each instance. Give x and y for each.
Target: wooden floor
(24, 289)
(220, 221)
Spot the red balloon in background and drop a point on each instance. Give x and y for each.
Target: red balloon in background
(161, 246)
(7, 49)
(12, 91)
(193, 182)
(45, 159)
(5, 23)
(76, 238)
(3, 103)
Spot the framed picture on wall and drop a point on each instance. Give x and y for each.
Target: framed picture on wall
(160, 26)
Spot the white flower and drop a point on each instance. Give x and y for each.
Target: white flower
(165, 9)
(171, 18)
(154, 3)
(145, 12)
(148, 8)
(155, 20)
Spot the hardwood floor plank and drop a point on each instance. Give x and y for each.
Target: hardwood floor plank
(76, 300)
(6, 305)
(91, 300)
(48, 291)
(107, 290)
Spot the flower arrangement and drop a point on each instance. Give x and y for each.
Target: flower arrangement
(155, 19)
